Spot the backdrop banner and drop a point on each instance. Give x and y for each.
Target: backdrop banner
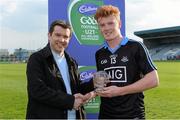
(86, 37)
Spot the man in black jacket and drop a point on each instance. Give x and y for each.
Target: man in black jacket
(53, 83)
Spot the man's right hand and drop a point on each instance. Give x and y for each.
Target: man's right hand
(82, 99)
(78, 100)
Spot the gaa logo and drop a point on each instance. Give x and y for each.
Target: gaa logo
(103, 61)
(81, 17)
(88, 20)
(117, 74)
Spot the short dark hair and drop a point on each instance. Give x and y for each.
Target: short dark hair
(62, 23)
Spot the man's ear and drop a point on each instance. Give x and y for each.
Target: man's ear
(49, 36)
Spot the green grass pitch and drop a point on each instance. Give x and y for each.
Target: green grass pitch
(162, 102)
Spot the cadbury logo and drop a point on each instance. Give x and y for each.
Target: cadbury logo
(86, 75)
(88, 9)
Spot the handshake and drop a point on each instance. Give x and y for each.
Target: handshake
(82, 99)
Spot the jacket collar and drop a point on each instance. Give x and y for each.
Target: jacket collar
(48, 53)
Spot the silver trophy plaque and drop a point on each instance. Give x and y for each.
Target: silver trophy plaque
(100, 79)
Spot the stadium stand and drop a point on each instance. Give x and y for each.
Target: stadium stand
(163, 43)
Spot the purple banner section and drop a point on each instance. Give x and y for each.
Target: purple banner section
(86, 38)
(83, 24)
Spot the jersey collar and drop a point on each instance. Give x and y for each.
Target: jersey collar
(122, 43)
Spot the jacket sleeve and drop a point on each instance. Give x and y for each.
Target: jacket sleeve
(83, 87)
(40, 91)
(87, 87)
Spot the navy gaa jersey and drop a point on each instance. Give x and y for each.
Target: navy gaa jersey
(125, 66)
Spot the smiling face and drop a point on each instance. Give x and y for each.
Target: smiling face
(109, 27)
(59, 38)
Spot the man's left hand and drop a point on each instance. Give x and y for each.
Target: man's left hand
(111, 91)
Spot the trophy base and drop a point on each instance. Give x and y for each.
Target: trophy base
(98, 90)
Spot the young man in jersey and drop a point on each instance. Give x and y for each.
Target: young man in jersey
(130, 68)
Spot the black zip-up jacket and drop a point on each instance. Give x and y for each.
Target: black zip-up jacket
(47, 96)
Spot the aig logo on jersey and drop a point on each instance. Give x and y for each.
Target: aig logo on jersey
(117, 74)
